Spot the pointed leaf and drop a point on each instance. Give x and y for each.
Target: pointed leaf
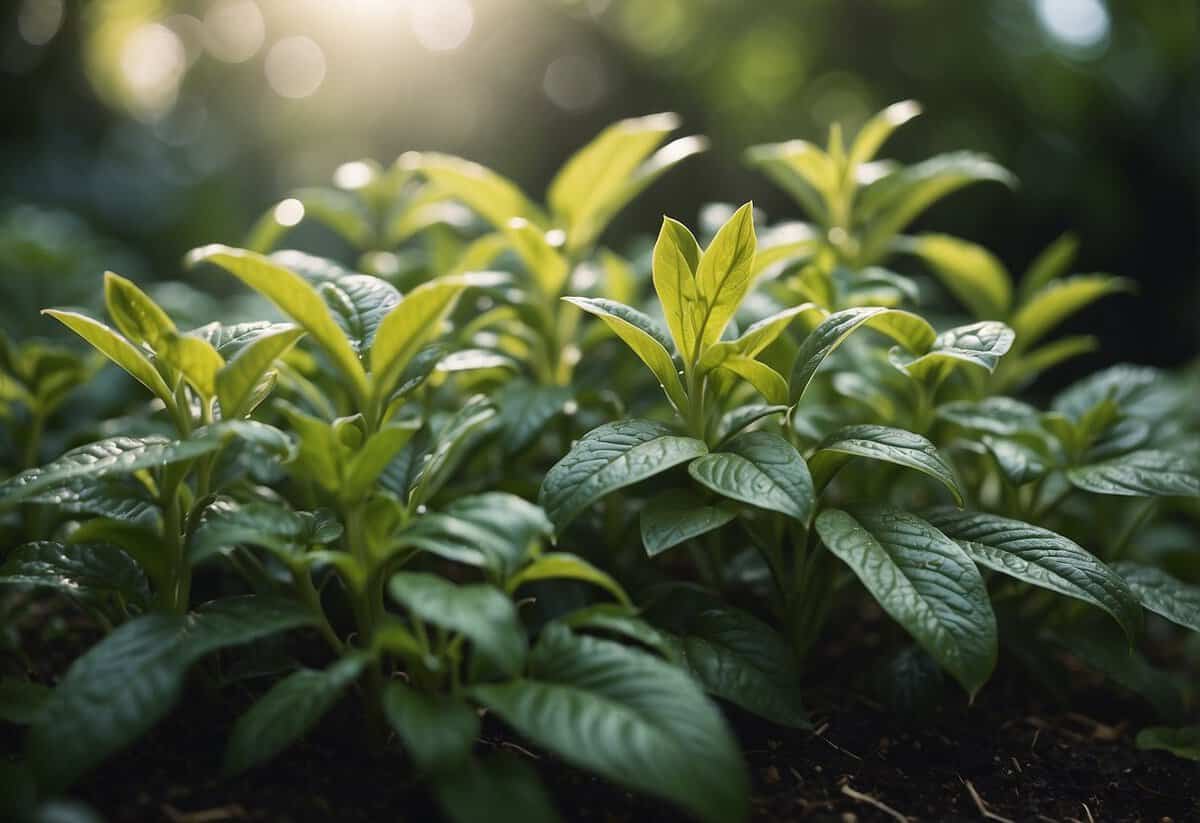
(121, 687)
(878, 129)
(723, 276)
(629, 717)
(438, 731)
(972, 273)
(502, 786)
(762, 469)
(1057, 301)
(408, 327)
(286, 713)
(1163, 594)
(494, 198)
(738, 658)
(608, 458)
(891, 445)
(89, 572)
(270, 526)
(295, 298)
(236, 382)
(1183, 741)
(564, 566)
(1053, 262)
(651, 351)
(925, 581)
(482, 613)
(675, 260)
(765, 380)
(1141, 473)
(1042, 558)
(977, 344)
(678, 515)
(909, 330)
(117, 349)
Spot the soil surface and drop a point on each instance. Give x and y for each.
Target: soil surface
(1012, 755)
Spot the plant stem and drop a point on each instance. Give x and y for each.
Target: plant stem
(33, 440)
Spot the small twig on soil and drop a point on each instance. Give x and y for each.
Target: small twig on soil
(1017, 763)
(979, 804)
(871, 801)
(509, 745)
(1088, 812)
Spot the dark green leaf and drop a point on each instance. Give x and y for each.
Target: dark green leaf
(891, 445)
(678, 515)
(629, 717)
(925, 581)
(762, 469)
(608, 458)
(1142, 473)
(286, 713)
(1042, 558)
(438, 730)
(1163, 594)
(482, 613)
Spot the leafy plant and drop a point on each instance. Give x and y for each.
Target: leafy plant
(361, 465)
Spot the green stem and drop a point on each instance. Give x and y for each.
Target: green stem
(364, 617)
(33, 441)
(312, 598)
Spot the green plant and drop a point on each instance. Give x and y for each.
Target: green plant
(376, 548)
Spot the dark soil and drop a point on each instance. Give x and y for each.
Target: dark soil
(1012, 755)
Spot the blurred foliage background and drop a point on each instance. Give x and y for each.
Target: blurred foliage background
(137, 129)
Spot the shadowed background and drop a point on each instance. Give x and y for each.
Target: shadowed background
(142, 128)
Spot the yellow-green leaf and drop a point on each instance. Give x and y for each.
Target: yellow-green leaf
(768, 382)
(117, 349)
(626, 324)
(972, 273)
(1059, 300)
(295, 297)
(135, 314)
(237, 380)
(676, 258)
(723, 276)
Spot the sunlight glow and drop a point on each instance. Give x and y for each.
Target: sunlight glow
(153, 61)
(353, 175)
(234, 30)
(442, 25)
(295, 67)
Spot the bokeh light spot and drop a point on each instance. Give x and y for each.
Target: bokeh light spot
(353, 175)
(575, 82)
(295, 67)
(39, 20)
(234, 30)
(442, 25)
(289, 212)
(1079, 24)
(153, 61)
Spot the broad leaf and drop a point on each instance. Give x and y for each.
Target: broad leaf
(925, 581)
(295, 297)
(564, 566)
(358, 303)
(1163, 594)
(631, 330)
(113, 456)
(495, 530)
(525, 409)
(128, 502)
(993, 415)
(891, 445)
(544, 262)
(453, 439)
(608, 458)
(629, 717)
(121, 687)
(978, 344)
(482, 613)
(737, 657)
(754, 339)
(286, 713)
(909, 330)
(89, 572)
(1042, 558)
(678, 515)
(765, 380)
(762, 469)
(1142, 473)
(279, 530)
(438, 731)
(373, 457)
(135, 314)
